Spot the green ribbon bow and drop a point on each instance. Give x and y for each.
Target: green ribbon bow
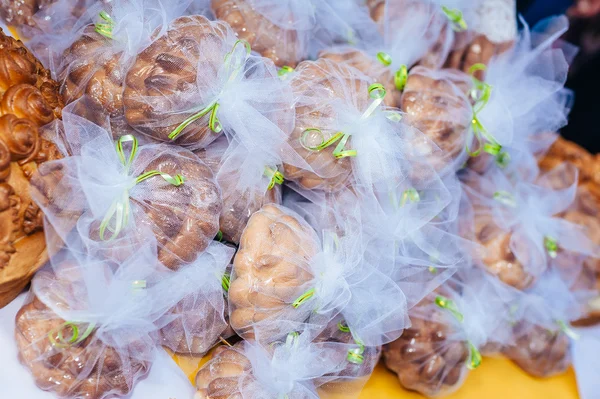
(236, 65)
(474, 359)
(303, 298)
(355, 355)
(505, 198)
(117, 215)
(400, 76)
(276, 177)
(58, 339)
(481, 94)
(226, 282)
(551, 246)
(566, 328)
(105, 29)
(284, 71)
(377, 93)
(456, 18)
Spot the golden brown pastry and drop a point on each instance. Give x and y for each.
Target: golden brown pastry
(435, 103)
(498, 258)
(94, 69)
(219, 378)
(330, 81)
(369, 66)
(282, 46)
(425, 360)
(271, 267)
(538, 351)
(19, 12)
(29, 99)
(88, 369)
(167, 70)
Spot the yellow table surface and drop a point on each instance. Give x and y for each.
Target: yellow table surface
(496, 378)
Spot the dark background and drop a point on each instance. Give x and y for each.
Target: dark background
(584, 76)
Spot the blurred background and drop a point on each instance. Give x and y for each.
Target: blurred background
(584, 76)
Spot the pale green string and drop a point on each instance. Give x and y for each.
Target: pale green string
(551, 246)
(213, 107)
(566, 328)
(474, 359)
(120, 209)
(376, 92)
(505, 198)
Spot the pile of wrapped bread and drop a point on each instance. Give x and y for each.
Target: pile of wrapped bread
(307, 185)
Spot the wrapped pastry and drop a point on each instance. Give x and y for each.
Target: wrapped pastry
(198, 80)
(90, 325)
(287, 31)
(21, 12)
(294, 367)
(29, 99)
(285, 278)
(493, 30)
(408, 30)
(248, 178)
(344, 134)
(449, 328)
(161, 188)
(541, 329)
(517, 226)
(197, 322)
(97, 59)
(436, 103)
(523, 98)
(85, 330)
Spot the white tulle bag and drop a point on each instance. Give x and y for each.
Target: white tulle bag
(465, 314)
(541, 325)
(518, 225)
(523, 97)
(197, 81)
(114, 194)
(346, 136)
(287, 278)
(293, 367)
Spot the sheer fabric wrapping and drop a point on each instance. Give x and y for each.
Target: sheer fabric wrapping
(89, 328)
(449, 328)
(541, 329)
(112, 210)
(334, 100)
(289, 31)
(517, 223)
(294, 367)
(286, 278)
(528, 98)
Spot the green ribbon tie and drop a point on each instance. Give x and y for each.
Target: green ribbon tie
(276, 177)
(400, 76)
(303, 298)
(117, 215)
(343, 328)
(474, 359)
(377, 93)
(213, 107)
(456, 18)
(226, 282)
(449, 305)
(551, 246)
(284, 71)
(105, 29)
(411, 195)
(481, 94)
(505, 198)
(57, 337)
(356, 355)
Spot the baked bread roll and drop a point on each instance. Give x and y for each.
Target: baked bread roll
(29, 100)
